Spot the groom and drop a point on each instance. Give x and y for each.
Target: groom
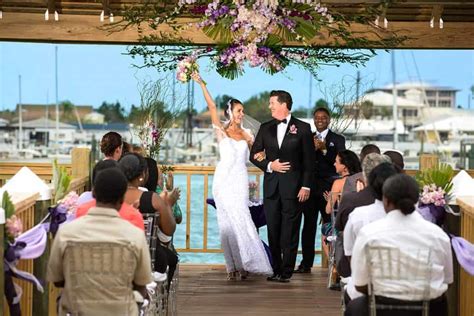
(287, 164)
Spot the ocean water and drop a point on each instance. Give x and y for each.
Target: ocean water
(197, 224)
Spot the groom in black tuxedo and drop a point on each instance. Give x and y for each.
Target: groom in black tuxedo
(288, 166)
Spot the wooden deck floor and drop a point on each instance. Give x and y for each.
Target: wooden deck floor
(203, 290)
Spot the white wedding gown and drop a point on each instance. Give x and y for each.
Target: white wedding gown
(243, 249)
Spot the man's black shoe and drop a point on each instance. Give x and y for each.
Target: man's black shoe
(274, 278)
(284, 279)
(302, 270)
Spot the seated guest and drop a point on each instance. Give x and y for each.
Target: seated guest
(346, 163)
(111, 146)
(127, 212)
(155, 183)
(396, 157)
(93, 291)
(364, 215)
(135, 169)
(353, 180)
(101, 165)
(403, 229)
(366, 196)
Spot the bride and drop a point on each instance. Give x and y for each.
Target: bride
(243, 249)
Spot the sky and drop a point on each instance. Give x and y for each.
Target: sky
(91, 74)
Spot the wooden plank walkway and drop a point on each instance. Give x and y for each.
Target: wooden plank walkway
(204, 290)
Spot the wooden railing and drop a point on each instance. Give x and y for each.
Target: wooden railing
(25, 211)
(206, 172)
(31, 212)
(466, 281)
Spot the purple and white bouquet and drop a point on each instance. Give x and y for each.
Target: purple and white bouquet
(433, 194)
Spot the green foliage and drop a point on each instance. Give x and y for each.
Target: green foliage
(257, 107)
(440, 175)
(113, 112)
(61, 180)
(7, 205)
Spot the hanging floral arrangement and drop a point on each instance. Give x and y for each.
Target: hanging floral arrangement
(262, 33)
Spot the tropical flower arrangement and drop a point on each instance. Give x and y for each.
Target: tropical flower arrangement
(150, 138)
(255, 33)
(435, 184)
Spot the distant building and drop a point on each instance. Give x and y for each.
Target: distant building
(94, 118)
(436, 96)
(35, 111)
(42, 132)
(96, 131)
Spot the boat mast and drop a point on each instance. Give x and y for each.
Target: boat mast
(394, 104)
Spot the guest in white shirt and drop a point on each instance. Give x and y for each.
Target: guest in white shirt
(402, 228)
(364, 215)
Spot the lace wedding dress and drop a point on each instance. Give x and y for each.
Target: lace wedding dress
(243, 249)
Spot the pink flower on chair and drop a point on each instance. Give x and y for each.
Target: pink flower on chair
(293, 129)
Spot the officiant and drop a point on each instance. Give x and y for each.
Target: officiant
(326, 145)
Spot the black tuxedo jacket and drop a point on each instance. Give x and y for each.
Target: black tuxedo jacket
(297, 148)
(324, 167)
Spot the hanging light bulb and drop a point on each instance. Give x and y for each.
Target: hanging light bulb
(56, 16)
(101, 16)
(432, 22)
(385, 22)
(441, 23)
(111, 17)
(46, 15)
(376, 22)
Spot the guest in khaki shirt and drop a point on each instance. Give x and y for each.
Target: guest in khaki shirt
(100, 258)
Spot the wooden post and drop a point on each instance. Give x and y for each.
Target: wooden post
(428, 161)
(2, 275)
(41, 300)
(80, 162)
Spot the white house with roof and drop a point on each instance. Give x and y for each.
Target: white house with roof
(432, 95)
(42, 132)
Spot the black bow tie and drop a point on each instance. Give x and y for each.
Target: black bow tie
(283, 121)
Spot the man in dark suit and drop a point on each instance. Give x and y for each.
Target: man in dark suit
(326, 146)
(287, 164)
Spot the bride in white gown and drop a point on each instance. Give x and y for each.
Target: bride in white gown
(243, 249)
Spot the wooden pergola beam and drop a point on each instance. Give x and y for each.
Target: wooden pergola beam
(87, 29)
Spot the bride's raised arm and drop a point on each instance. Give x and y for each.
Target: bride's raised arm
(211, 105)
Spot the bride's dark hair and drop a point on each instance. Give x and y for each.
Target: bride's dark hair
(230, 107)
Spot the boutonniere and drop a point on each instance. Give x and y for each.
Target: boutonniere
(331, 144)
(293, 129)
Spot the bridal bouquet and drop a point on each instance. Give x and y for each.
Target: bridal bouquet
(186, 67)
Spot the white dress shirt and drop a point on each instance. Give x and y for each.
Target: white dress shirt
(360, 217)
(405, 232)
(323, 134)
(281, 130)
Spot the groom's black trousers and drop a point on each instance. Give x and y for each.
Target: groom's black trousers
(283, 224)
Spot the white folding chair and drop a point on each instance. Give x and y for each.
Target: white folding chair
(394, 272)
